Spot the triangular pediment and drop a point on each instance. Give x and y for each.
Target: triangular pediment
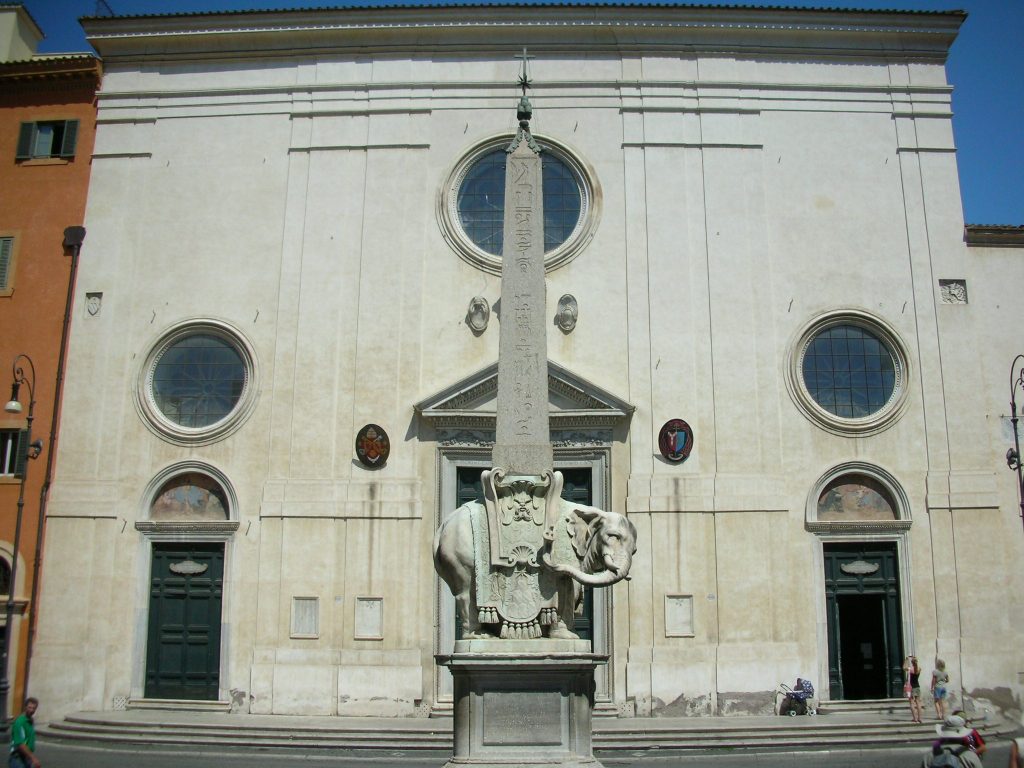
(471, 403)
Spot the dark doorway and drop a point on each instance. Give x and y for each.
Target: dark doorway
(864, 621)
(578, 487)
(862, 645)
(183, 649)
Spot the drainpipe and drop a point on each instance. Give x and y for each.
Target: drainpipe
(73, 239)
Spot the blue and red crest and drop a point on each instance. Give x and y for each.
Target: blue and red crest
(675, 440)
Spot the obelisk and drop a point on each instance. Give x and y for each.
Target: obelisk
(522, 680)
(522, 441)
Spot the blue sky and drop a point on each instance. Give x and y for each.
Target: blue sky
(986, 67)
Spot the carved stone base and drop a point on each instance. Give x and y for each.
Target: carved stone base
(523, 703)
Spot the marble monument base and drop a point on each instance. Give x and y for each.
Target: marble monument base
(523, 703)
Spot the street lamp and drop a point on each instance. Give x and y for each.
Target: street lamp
(27, 449)
(1013, 454)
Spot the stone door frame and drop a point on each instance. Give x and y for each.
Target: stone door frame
(216, 550)
(184, 533)
(900, 539)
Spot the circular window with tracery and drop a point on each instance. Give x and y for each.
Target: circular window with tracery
(197, 382)
(472, 209)
(849, 373)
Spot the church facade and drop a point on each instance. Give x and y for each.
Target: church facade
(769, 346)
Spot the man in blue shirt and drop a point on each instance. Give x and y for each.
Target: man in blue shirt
(23, 737)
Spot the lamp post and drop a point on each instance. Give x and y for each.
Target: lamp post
(27, 449)
(1013, 454)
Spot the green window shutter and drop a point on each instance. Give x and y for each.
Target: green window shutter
(6, 247)
(21, 457)
(26, 136)
(67, 147)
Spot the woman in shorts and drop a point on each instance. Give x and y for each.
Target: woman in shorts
(912, 674)
(940, 688)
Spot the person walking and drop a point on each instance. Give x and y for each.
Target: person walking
(912, 674)
(23, 737)
(940, 688)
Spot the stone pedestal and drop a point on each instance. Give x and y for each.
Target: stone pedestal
(523, 703)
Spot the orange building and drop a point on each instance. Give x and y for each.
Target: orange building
(47, 125)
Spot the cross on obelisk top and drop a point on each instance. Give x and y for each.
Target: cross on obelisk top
(522, 440)
(524, 77)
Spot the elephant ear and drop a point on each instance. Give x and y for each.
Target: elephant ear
(583, 521)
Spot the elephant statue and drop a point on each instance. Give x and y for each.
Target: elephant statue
(591, 548)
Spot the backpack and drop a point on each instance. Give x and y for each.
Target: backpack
(945, 759)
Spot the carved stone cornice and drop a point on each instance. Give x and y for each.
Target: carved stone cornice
(160, 530)
(484, 438)
(574, 404)
(857, 526)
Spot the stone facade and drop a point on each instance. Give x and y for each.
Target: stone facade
(749, 179)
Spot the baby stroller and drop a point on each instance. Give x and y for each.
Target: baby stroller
(798, 700)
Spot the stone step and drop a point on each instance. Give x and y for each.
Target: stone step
(179, 705)
(877, 706)
(424, 734)
(346, 726)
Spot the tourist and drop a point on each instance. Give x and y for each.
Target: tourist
(975, 740)
(940, 683)
(912, 674)
(23, 737)
(954, 741)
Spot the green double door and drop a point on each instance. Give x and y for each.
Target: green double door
(183, 648)
(578, 487)
(862, 598)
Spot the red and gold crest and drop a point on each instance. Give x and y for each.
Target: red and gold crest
(372, 445)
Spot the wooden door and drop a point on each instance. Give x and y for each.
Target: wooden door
(183, 649)
(862, 598)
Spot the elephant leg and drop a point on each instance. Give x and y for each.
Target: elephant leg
(465, 603)
(562, 628)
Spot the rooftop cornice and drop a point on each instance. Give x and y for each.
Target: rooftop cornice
(994, 235)
(886, 34)
(52, 67)
(389, 7)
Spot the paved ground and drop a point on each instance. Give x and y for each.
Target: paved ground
(62, 756)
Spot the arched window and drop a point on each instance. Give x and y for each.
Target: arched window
(190, 496)
(857, 497)
(5, 576)
(188, 500)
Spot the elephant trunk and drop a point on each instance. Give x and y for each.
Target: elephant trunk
(602, 578)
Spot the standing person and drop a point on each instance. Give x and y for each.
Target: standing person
(940, 688)
(23, 737)
(912, 673)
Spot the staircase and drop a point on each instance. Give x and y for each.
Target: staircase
(860, 728)
(865, 706)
